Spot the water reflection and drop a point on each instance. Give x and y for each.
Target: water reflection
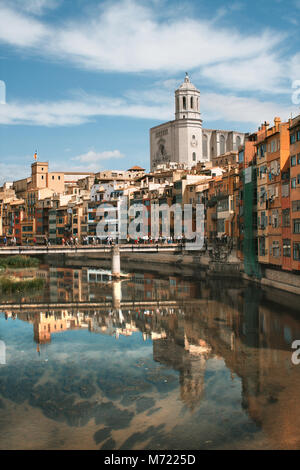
(149, 362)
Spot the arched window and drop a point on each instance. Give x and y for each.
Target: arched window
(204, 146)
(177, 104)
(192, 102)
(184, 102)
(194, 156)
(222, 144)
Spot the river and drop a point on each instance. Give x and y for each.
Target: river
(150, 362)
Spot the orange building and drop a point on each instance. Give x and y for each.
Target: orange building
(272, 162)
(294, 131)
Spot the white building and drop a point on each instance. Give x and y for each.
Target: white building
(183, 141)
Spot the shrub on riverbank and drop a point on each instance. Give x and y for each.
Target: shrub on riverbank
(9, 286)
(19, 262)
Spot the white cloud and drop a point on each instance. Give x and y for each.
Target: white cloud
(295, 67)
(13, 172)
(244, 110)
(19, 30)
(91, 156)
(35, 7)
(227, 10)
(126, 36)
(129, 38)
(153, 103)
(264, 73)
(83, 108)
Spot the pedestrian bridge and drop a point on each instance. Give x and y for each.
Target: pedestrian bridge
(40, 250)
(126, 304)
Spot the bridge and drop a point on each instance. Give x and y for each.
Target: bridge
(113, 250)
(126, 304)
(59, 249)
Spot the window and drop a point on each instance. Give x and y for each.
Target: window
(59, 177)
(293, 160)
(192, 102)
(286, 245)
(53, 177)
(296, 251)
(204, 145)
(223, 205)
(194, 156)
(298, 135)
(293, 138)
(262, 246)
(221, 225)
(285, 175)
(261, 150)
(263, 195)
(296, 206)
(262, 171)
(222, 144)
(293, 183)
(184, 103)
(286, 221)
(275, 249)
(273, 146)
(296, 225)
(27, 228)
(263, 221)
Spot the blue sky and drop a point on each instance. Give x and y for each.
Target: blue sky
(86, 79)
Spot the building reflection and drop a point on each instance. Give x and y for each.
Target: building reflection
(240, 326)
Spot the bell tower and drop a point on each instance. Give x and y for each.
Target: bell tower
(187, 100)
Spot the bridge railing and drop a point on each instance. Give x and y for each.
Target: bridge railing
(151, 247)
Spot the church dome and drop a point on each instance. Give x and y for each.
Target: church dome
(187, 85)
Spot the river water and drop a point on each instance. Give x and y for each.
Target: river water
(151, 362)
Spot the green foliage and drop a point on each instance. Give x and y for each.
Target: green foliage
(19, 262)
(8, 286)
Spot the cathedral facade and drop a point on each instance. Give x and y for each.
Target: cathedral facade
(184, 141)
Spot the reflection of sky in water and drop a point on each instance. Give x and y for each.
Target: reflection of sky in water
(81, 377)
(219, 376)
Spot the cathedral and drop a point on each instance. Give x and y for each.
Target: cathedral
(184, 141)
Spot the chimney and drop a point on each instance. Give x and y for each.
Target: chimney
(277, 122)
